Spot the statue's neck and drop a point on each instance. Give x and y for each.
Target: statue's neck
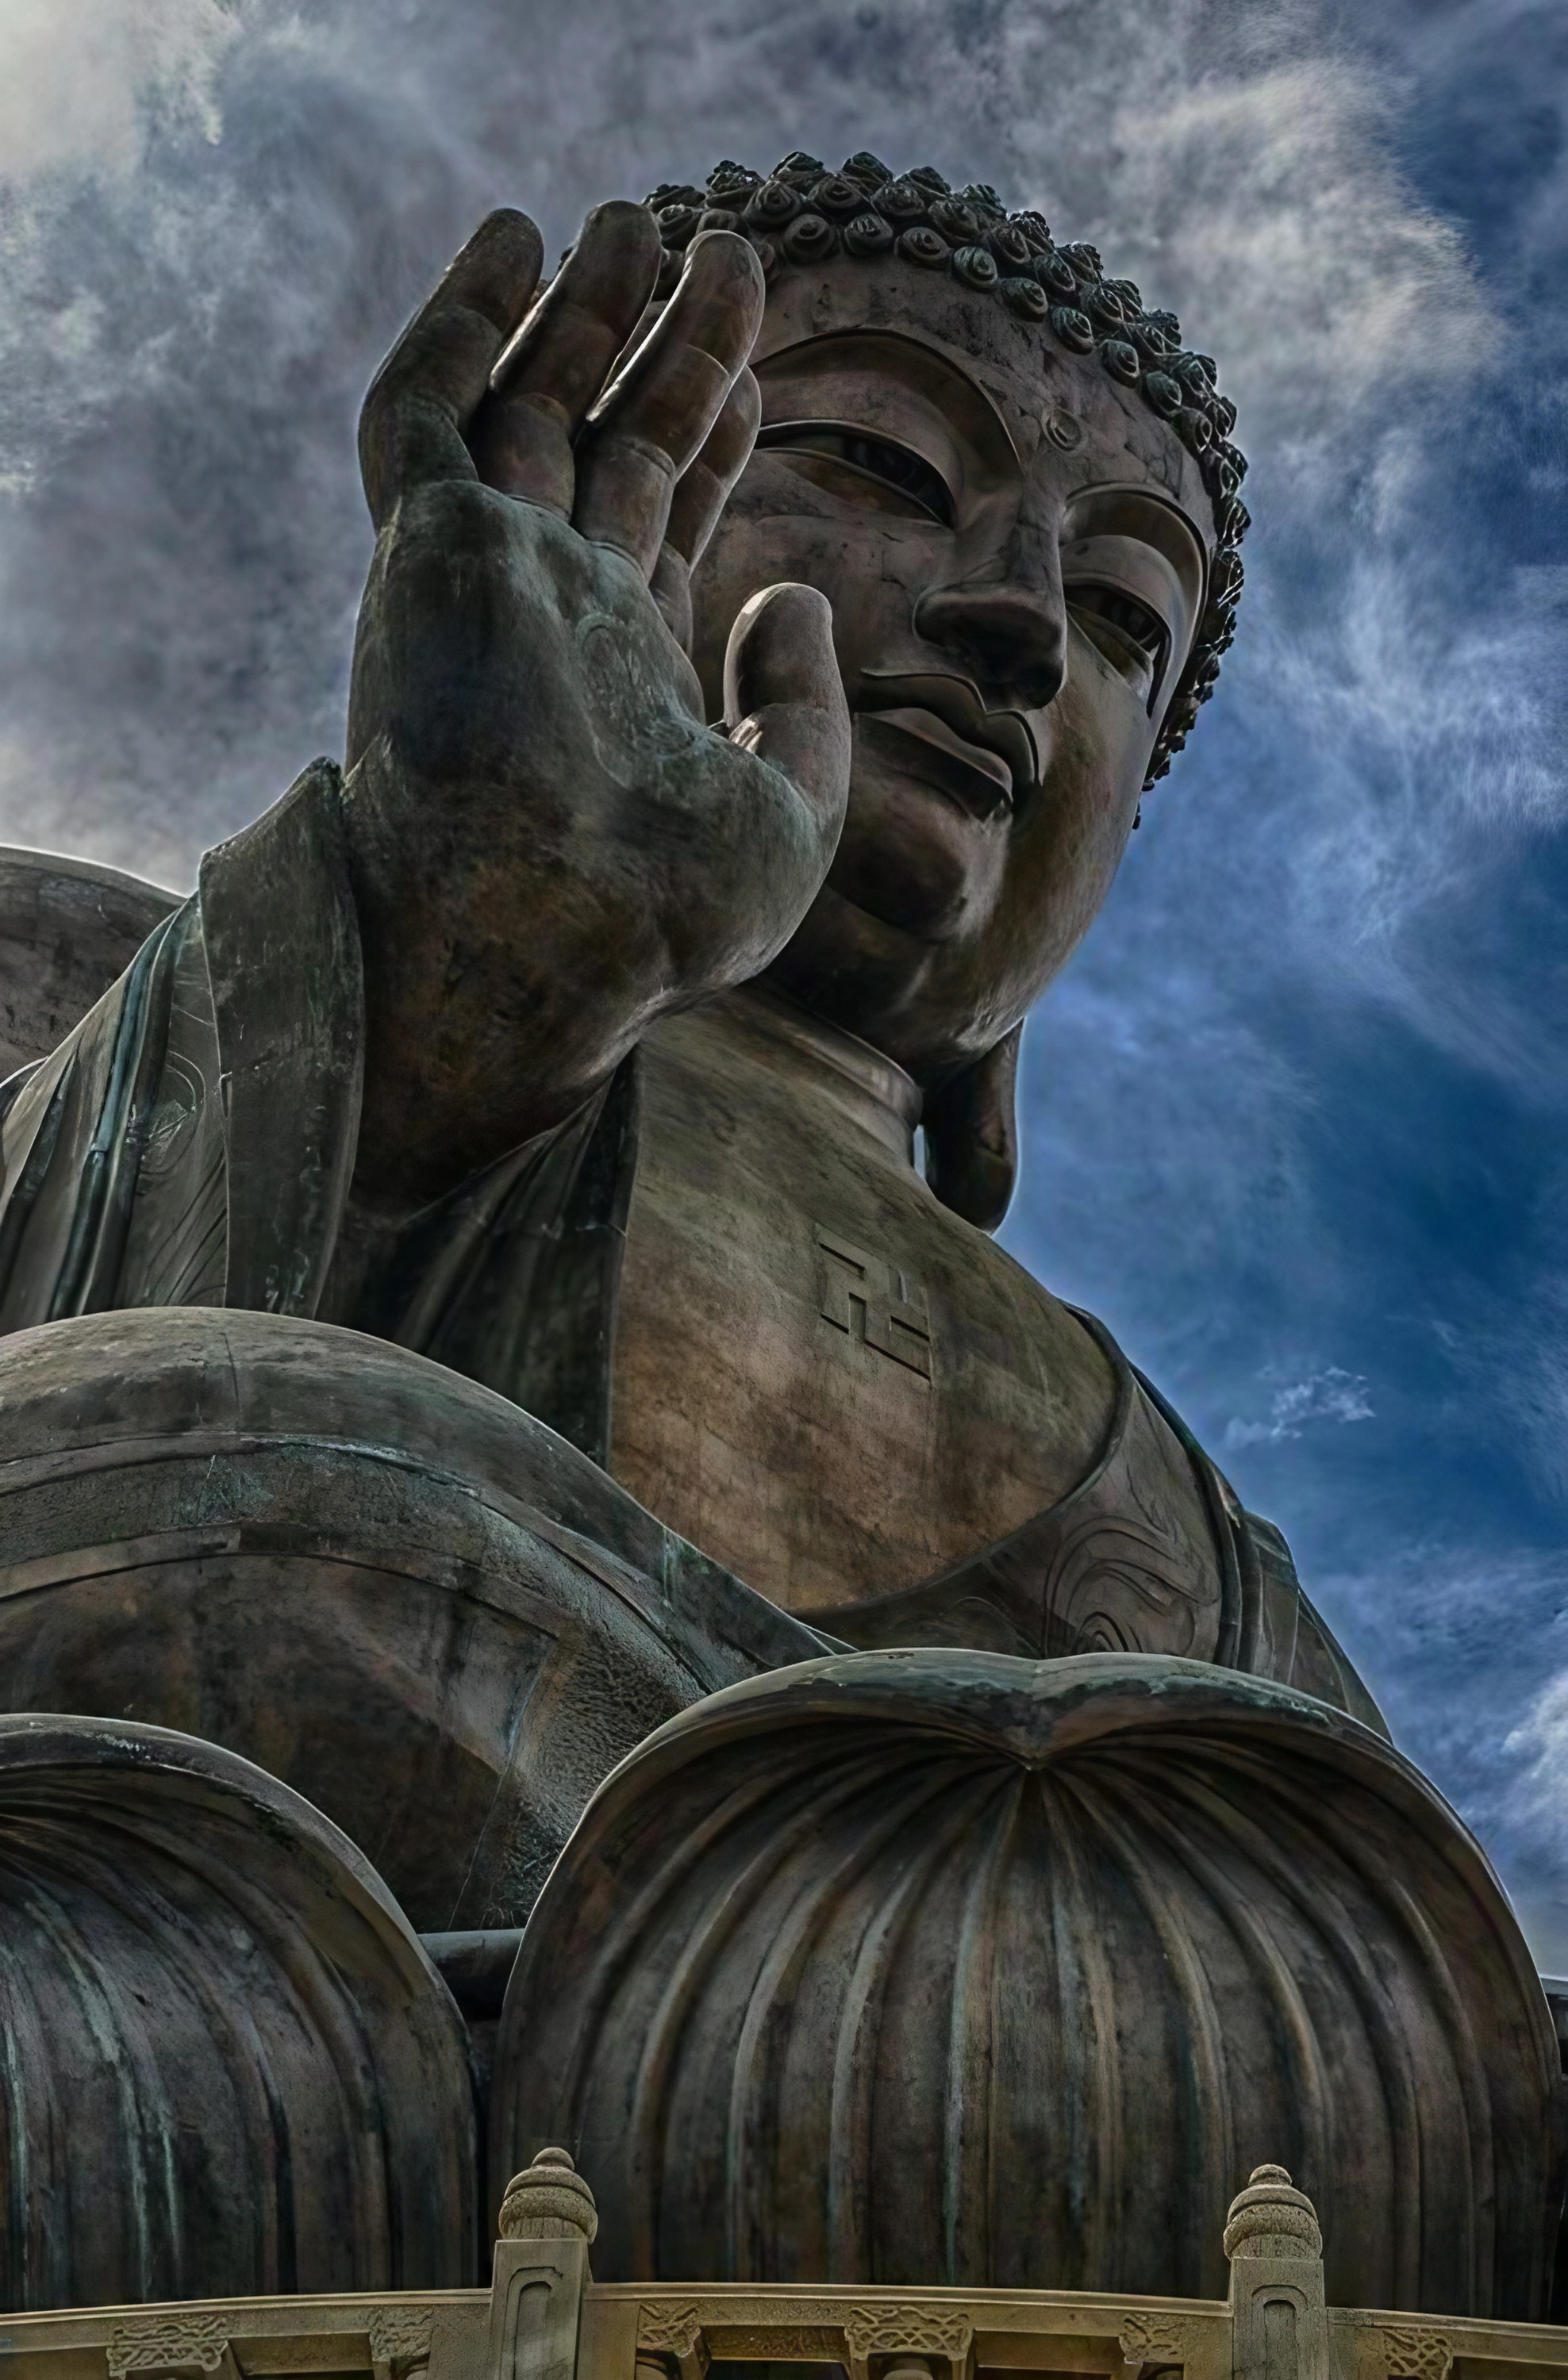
(872, 1090)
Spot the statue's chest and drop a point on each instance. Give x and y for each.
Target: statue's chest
(821, 1376)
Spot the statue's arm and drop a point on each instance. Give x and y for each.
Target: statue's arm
(548, 845)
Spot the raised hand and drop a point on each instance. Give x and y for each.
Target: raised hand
(549, 846)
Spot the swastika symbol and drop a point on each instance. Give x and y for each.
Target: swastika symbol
(891, 1307)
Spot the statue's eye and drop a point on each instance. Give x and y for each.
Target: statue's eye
(875, 467)
(1133, 638)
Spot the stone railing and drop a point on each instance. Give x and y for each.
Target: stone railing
(544, 2317)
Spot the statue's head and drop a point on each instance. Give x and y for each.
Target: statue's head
(1018, 492)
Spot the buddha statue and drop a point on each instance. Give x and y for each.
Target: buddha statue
(609, 1100)
(597, 1100)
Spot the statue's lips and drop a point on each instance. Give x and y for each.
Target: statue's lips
(978, 780)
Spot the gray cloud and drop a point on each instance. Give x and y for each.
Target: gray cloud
(214, 227)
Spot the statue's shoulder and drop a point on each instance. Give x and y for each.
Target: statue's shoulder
(69, 929)
(1273, 1630)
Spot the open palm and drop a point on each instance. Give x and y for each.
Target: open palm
(550, 845)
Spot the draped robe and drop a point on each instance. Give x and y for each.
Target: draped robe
(192, 1143)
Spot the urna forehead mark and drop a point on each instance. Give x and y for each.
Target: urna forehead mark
(1070, 416)
(896, 305)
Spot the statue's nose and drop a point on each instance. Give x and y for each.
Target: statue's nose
(1011, 639)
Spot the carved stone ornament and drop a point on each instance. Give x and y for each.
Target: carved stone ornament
(1418, 2354)
(1156, 2340)
(906, 2330)
(675, 2332)
(1270, 2217)
(167, 2342)
(400, 2336)
(551, 2201)
(1278, 2318)
(669, 2329)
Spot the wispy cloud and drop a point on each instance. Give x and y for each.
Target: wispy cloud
(1541, 1743)
(219, 211)
(1463, 1635)
(1331, 1395)
(84, 87)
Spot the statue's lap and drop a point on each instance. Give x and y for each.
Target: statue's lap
(808, 1888)
(387, 1586)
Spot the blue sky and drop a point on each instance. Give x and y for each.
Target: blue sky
(1296, 1119)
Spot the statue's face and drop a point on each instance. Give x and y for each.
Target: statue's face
(1015, 550)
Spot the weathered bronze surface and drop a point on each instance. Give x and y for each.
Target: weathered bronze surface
(822, 1373)
(227, 2062)
(68, 928)
(844, 1955)
(507, 1262)
(387, 1587)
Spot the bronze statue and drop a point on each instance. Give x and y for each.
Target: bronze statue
(444, 993)
(774, 628)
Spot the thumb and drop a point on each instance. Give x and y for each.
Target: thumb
(783, 697)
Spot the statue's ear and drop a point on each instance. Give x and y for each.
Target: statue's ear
(972, 1138)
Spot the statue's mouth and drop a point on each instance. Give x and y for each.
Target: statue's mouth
(986, 759)
(979, 780)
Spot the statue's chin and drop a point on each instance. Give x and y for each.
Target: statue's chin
(913, 853)
(865, 957)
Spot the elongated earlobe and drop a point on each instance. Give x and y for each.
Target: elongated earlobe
(972, 1138)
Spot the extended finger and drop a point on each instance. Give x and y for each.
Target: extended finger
(783, 696)
(655, 418)
(422, 399)
(556, 364)
(704, 489)
(700, 495)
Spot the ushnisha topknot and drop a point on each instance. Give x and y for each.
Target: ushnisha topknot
(801, 214)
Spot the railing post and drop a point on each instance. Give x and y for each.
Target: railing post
(548, 2219)
(1279, 2326)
